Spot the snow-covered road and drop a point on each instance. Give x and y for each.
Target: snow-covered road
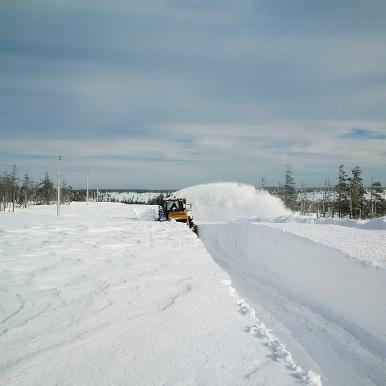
(325, 303)
(100, 296)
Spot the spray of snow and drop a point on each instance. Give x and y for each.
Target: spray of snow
(231, 201)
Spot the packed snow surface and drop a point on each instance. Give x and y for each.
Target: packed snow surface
(231, 201)
(101, 296)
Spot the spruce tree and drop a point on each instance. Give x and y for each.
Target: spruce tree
(290, 196)
(343, 193)
(64, 193)
(379, 201)
(26, 190)
(357, 193)
(46, 191)
(13, 186)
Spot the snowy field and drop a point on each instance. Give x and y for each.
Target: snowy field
(104, 295)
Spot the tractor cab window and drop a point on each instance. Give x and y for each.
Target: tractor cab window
(174, 206)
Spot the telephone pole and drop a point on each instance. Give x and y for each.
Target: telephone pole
(372, 197)
(59, 187)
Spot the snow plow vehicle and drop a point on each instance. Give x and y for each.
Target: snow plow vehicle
(176, 209)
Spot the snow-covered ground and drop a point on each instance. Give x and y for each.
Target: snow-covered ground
(318, 284)
(328, 308)
(104, 295)
(367, 246)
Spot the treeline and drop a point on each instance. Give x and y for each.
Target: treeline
(21, 192)
(151, 200)
(157, 200)
(95, 196)
(348, 198)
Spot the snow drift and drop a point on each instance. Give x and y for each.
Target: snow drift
(373, 224)
(231, 201)
(332, 305)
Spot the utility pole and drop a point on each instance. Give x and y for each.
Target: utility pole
(324, 198)
(58, 198)
(97, 200)
(328, 196)
(262, 183)
(372, 198)
(87, 188)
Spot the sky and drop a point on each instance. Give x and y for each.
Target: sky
(170, 93)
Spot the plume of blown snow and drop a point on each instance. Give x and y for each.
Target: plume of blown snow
(231, 201)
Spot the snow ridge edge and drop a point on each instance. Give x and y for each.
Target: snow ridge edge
(278, 349)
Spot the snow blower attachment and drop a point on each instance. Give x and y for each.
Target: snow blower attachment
(176, 209)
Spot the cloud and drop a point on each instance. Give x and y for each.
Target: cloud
(239, 153)
(240, 86)
(364, 134)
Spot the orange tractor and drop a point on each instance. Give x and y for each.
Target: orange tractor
(176, 209)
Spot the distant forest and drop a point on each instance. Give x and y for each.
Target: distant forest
(21, 192)
(347, 198)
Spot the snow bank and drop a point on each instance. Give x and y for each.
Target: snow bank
(231, 201)
(329, 309)
(364, 244)
(374, 224)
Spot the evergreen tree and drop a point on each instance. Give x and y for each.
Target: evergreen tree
(13, 186)
(289, 195)
(9, 189)
(3, 191)
(65, 193)
(357, 193)
(379, 201)
(26, 191)
(343, 193)
(46, 191)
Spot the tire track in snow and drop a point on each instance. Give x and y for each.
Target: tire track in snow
(172, 301)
